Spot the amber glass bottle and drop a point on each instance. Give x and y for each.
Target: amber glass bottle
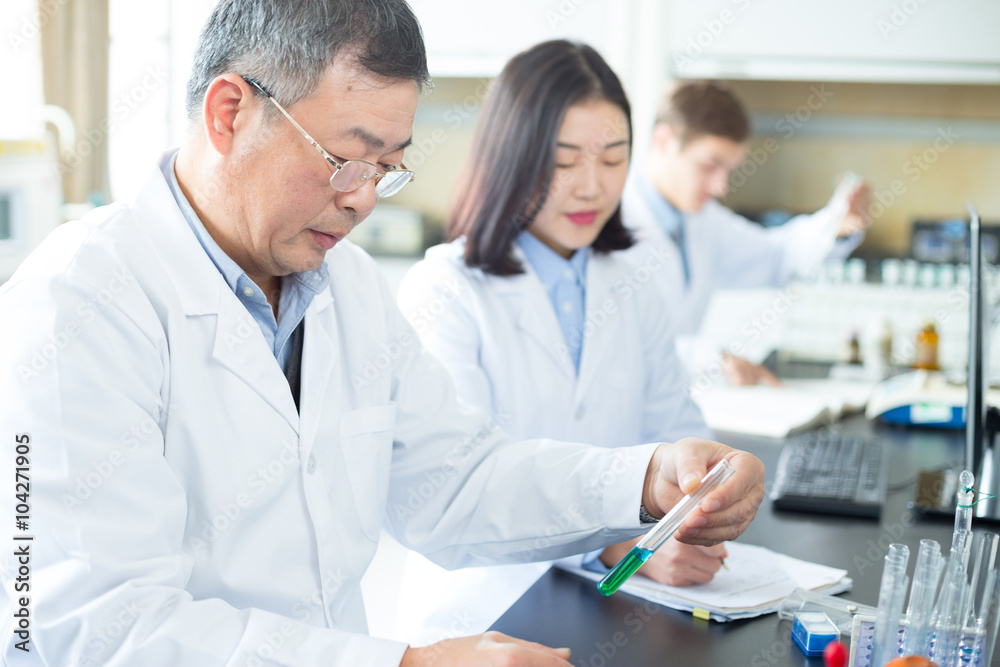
(927, 348)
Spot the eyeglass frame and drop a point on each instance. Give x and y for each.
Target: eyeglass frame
(329, 158)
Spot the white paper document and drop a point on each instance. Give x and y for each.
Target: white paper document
(776, 412)
(754, 584)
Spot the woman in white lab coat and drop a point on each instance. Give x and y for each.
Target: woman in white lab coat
(531, 307)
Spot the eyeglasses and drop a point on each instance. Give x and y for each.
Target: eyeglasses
(352, 174)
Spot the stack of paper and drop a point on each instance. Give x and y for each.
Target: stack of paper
(776, 412)
(754, 584)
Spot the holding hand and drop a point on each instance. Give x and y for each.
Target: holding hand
(743, 373)
(491, 649)
(673, 564)
(676, 469)
(857, 218)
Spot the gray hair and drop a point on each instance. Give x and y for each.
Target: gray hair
(287, 45)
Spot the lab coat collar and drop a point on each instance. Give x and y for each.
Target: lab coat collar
(198, 284)
(535, 315)
(319, 356)
(601, 320)
(637, 215)
(537, 319)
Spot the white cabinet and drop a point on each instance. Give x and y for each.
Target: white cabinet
(476, 39)
(919, 41)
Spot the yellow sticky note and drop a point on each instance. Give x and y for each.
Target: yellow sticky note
(703, 614)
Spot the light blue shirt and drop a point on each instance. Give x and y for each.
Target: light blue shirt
(297, 289)
(671, 220)
(565, 282)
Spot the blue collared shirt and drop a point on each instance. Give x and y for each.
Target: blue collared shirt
(671, 220)
(565, 282)
(297, 289)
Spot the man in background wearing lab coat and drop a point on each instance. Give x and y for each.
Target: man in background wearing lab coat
(218, 404)
(699, 138)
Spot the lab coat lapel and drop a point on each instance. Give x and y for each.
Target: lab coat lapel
(648, 232)
(319, 356)
(601, 322)
(525, 295)
(240, 347)
(202, 291)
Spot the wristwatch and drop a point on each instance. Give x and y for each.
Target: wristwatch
(646, 517)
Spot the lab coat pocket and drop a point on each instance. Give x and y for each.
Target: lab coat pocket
(366, 441)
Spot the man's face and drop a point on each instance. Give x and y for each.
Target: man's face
(699, 170)
(287, 214)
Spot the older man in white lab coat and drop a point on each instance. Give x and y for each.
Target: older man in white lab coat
(670, 201)
(215, 403)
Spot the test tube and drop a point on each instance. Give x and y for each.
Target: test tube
(963, 504)
(984, 553)
(948, 629)
(989, 616)
(926, 575)
(663, 529)
(890, 604)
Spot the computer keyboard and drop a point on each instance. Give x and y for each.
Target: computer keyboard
(832, 473)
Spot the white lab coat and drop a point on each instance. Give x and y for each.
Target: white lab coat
(184, 512)
(501, 340)
(726, 251)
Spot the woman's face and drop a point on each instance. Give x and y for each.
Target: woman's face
(592, 157)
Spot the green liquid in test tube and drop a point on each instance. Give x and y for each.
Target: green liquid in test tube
(625, 568)
(663, 530)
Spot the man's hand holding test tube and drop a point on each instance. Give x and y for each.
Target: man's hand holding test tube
(708, 492)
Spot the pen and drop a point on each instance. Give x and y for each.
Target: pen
(723, 561)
